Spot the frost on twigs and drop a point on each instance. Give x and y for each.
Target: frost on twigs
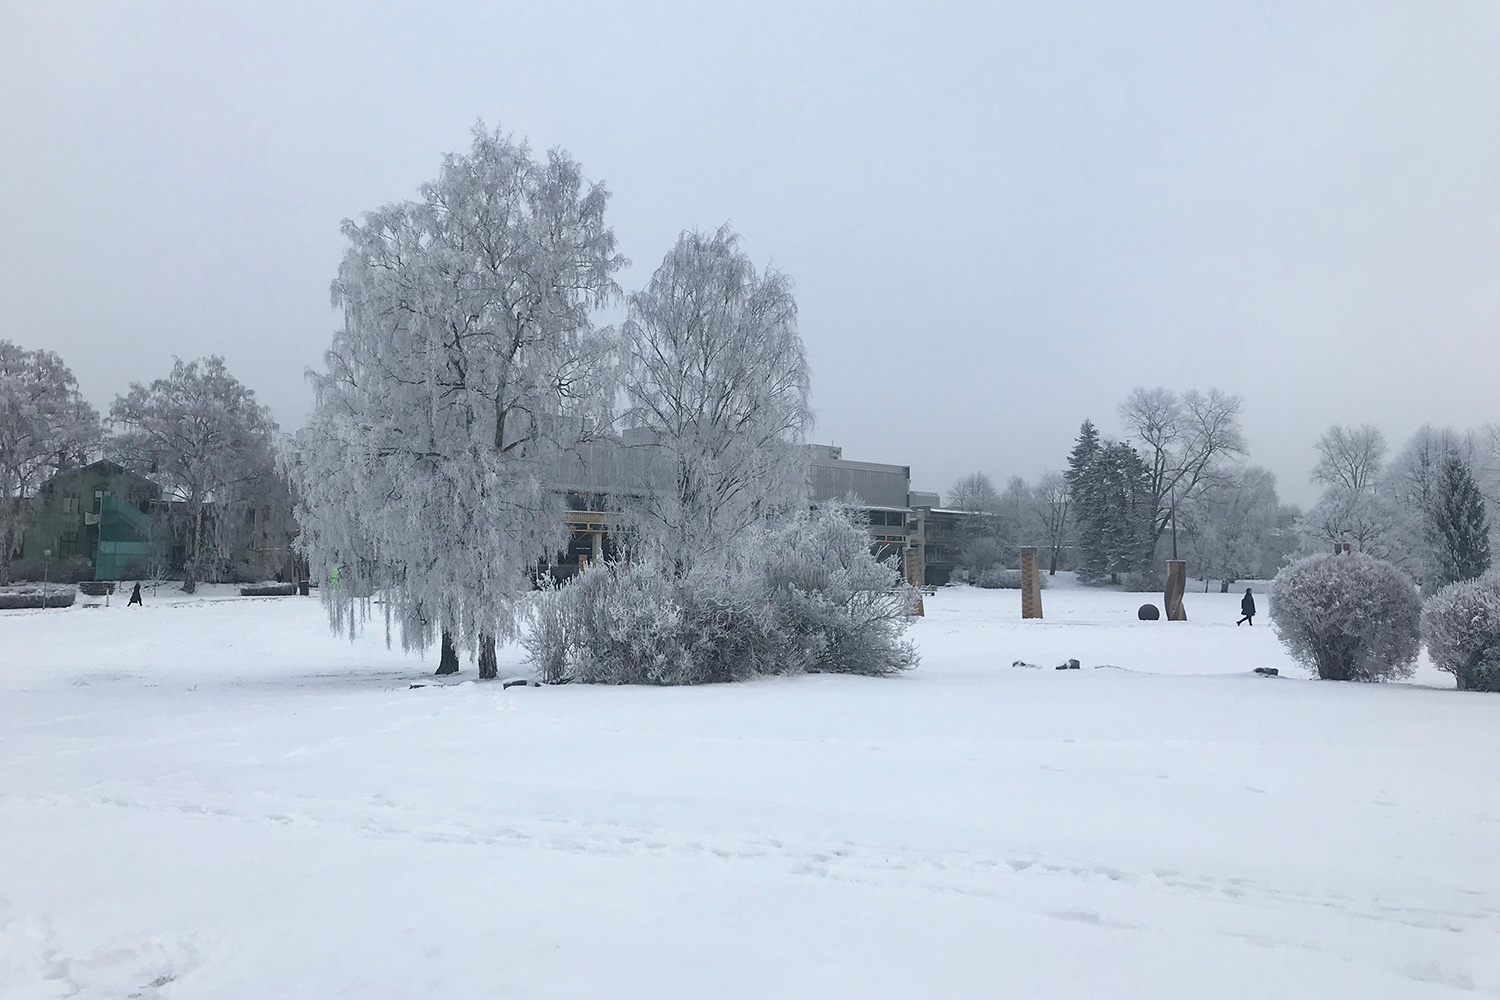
(716, 385)
(1350, 617)
(466, 369)
(806, 597)
(731, 576)
(1461, 626)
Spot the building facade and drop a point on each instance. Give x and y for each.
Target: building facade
(105, 522)
(102, 508)
(899, 519)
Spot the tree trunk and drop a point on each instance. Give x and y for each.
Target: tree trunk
(488, 668)
(6, 545)
(190, 564)
(448, 661)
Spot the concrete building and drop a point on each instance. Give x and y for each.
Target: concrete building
(910, 527)
(880, 490)
(912, 523)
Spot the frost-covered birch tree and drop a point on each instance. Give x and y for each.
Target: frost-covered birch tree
(1354, 507)
(1184, 441)
(974, 492)
(45, 428)
(202, 436)
(716, 377)
(467, 364)
(1231, 527)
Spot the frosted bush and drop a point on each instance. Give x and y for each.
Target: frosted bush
(1461, 626)
(1142, 582)
(808, 596)
(843, 609)
(998, 578)
(1351, 617)
(618, 624)
(982, 554)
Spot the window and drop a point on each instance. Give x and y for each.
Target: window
(98, 500)
(70, 504)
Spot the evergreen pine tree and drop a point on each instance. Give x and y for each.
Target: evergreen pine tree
(1458, 526)
(1083, 490)
(1123, 509)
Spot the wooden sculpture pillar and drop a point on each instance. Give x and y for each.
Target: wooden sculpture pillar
(1031, 584)
(1176, 584)
(914, 580)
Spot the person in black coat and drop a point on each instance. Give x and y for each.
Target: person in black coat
(1247, 608)
(135, 597)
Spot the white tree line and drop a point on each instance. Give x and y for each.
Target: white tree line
(1200, 497)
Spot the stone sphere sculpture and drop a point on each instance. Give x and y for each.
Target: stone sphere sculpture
(1149, 613)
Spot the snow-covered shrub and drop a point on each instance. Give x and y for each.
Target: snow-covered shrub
(619, 624)
(982, 553)
(610, 624)
(807, 596)
(998, 578)
(1142, 582)
(1351, 616)
(36, 595)
(74, 569)
(1461, 626)
(843, 609)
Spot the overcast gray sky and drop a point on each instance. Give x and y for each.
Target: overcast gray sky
(999, 217)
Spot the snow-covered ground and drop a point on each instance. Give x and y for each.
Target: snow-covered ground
(213, 797)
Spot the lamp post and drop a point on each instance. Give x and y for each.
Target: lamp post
(46, 569)
(1174, 523)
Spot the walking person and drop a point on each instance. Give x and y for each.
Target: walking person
(1247, 608)
(135, 597)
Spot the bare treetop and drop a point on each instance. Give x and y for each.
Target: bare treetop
(1350, 457)
(1185, 440)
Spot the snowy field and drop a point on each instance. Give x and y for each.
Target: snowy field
(213, 797)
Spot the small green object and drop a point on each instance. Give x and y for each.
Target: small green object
(333, 576)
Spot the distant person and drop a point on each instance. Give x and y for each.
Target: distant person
(135, 597)
(1247, 608)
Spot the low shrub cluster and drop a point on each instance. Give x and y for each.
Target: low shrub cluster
(1350, 617)
(999, 578)
(69, 569)
(1142, 582)
(808, 597)
(1461, 626)
(36, 595)
(269, 590)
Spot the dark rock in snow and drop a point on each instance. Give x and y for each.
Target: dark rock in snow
(1148, 613)
(1070, 665)
(1268, 671)
(515, 682)
(1028, 666)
